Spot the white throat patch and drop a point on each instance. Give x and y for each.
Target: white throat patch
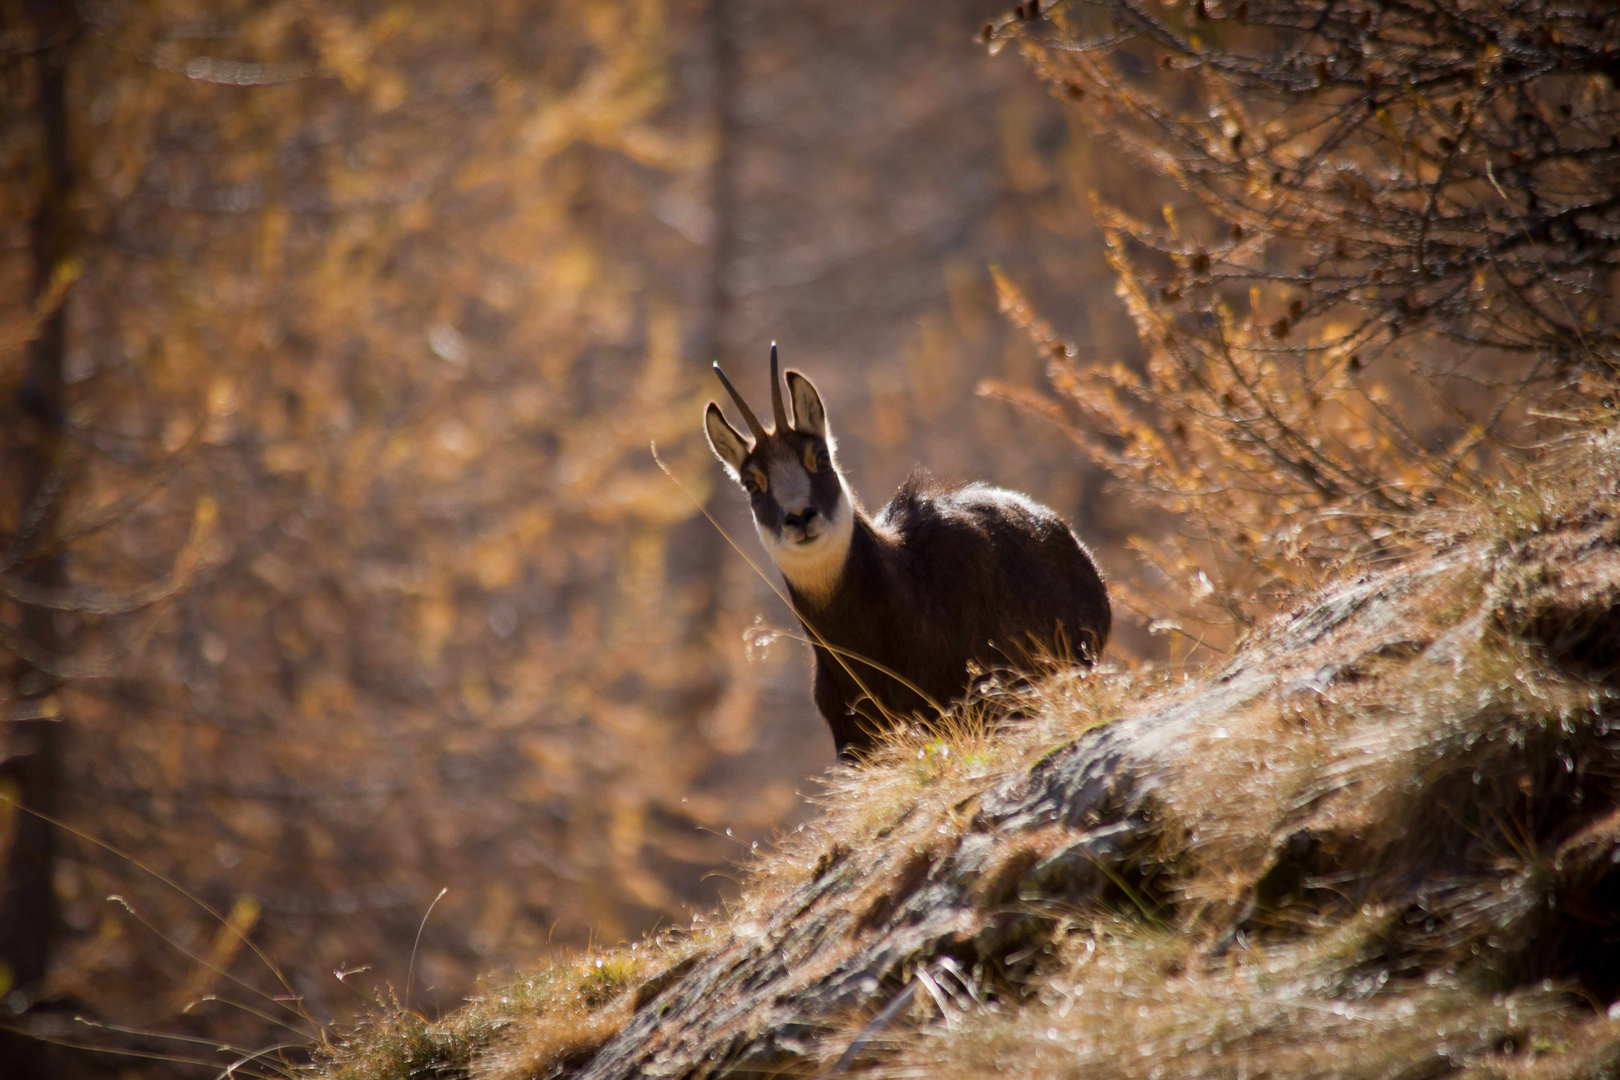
(813, 567)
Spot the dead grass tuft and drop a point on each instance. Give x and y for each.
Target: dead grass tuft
(544, 1023)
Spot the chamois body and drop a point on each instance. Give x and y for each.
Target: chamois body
(936, 588)
(942, 584)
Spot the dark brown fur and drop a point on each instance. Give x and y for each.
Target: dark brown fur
(940, 584)
(937, 589)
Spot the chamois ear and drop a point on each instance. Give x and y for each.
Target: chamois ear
(729, 446)
(809, 415)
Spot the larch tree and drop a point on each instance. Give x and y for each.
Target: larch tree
(1384, 265)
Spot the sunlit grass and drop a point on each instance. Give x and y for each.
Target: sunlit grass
(1372, 848)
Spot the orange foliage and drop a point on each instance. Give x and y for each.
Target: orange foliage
(1382, 271)
(369, 584)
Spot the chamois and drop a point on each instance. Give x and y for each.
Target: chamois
(905, 608)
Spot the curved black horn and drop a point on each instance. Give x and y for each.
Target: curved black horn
(748, 414)
(776, 394)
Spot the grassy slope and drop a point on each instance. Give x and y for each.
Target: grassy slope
(1383, 841)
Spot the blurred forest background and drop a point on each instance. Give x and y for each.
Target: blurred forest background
(335, 568)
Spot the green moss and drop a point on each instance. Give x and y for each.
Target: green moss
(605, 979)
(402, 1046)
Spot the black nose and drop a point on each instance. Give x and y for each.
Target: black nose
(802, 519)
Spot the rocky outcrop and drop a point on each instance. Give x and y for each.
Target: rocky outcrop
(1434, 742)
(1383, 839)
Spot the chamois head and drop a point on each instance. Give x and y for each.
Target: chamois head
(802, 509)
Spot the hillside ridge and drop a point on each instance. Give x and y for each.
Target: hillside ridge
(1397, 805)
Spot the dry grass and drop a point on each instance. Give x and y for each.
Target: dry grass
(1124, 1003)
(1382, 842)
(550, 1019)
(1400, 865)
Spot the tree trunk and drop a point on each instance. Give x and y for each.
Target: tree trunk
(30, 774)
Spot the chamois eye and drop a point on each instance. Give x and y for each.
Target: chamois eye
(753, 482)
(815, 457)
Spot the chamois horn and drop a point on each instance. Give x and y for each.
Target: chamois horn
(748, 414)
(776, 394)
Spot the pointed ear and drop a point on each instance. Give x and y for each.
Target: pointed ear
(730, 447)
(808, 413)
